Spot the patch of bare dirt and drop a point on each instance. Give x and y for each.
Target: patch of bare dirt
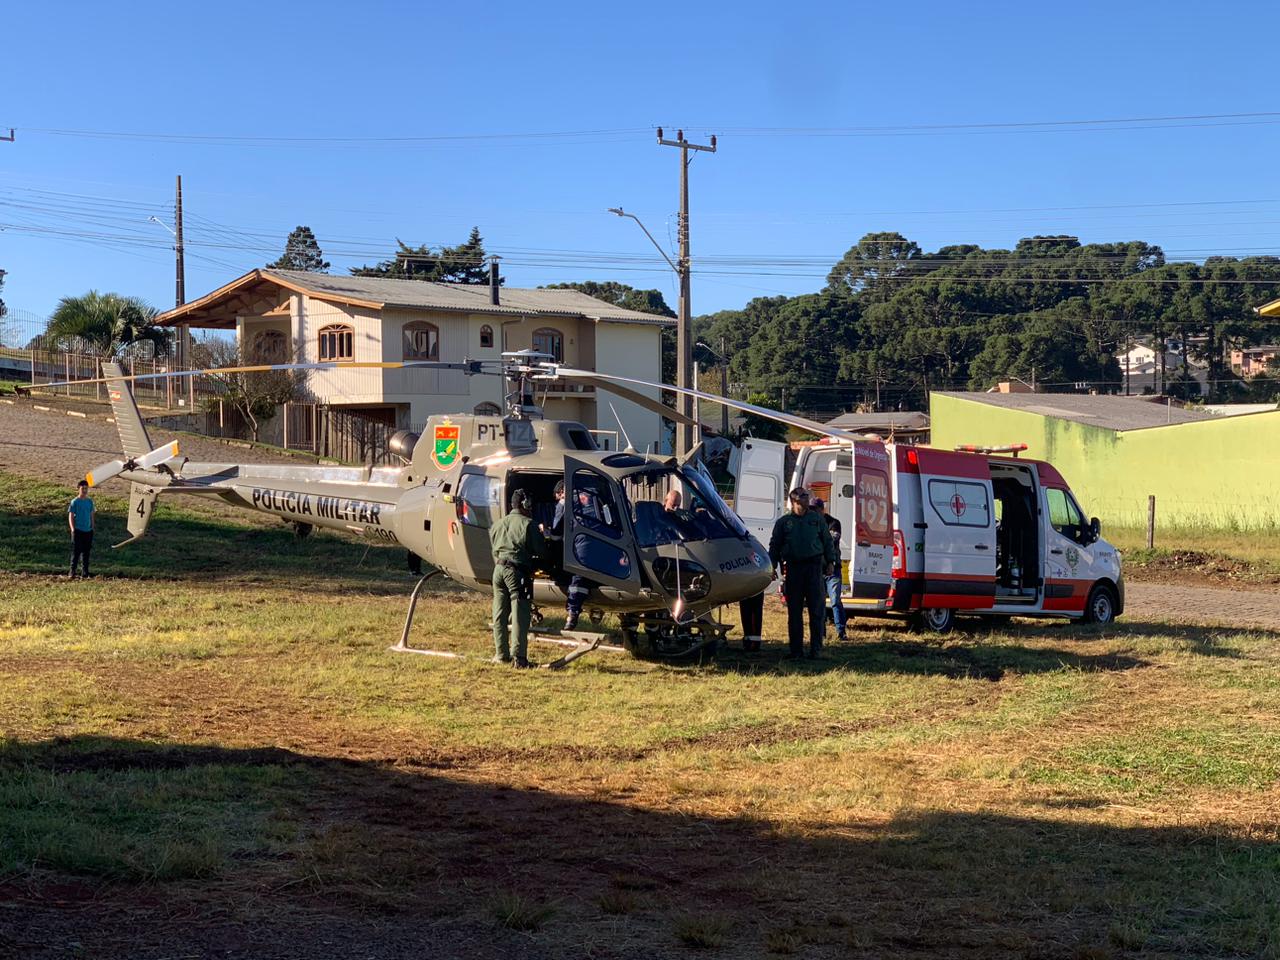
(1200, 568)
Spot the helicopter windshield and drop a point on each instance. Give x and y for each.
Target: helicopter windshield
(678, 505)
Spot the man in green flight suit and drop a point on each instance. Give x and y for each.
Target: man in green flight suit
(801, 544)
(516, 543)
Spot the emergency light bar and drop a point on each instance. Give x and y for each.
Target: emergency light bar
(1012, 448)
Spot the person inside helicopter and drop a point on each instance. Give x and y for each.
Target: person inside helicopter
(661, 517)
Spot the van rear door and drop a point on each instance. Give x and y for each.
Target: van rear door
(960, 531)
(870, 569)
(758, 496)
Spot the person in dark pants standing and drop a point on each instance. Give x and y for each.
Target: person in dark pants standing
(80, 518)
(751, 611)
(834, 587)
(578, 589)
(516, 545)
(801, 544)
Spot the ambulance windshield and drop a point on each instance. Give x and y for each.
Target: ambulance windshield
(678, 505)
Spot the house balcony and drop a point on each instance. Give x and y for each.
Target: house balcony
(564, 389)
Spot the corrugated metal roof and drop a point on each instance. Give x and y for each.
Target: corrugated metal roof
(1108, 412)
(909, 420)
(470, 298)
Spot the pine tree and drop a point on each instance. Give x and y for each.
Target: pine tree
(465, 263)
(301, 252)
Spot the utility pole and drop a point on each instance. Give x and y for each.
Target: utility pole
(684, 331)
(724, 390)
(180, 275)
(11, 137)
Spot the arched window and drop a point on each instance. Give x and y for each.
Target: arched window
(337, 342)
(421, 341)
(487, 409)
(486, 336)
(268, 346)
(550, 341)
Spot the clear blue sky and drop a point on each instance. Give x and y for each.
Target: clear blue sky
(788, 204)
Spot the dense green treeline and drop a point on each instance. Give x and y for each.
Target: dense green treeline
(895, 322)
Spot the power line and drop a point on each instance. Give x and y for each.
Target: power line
(1097, 124)
(570, 136)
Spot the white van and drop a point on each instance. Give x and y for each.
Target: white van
(934, 533)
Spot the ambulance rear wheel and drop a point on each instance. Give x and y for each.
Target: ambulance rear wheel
(935, 619)
(1100, 608)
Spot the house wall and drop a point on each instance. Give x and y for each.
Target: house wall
(247, 328)
(363, 386)
(1217, 473)
(631, 350)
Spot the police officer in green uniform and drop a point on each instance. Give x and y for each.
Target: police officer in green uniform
(801, 544)
(516, 543)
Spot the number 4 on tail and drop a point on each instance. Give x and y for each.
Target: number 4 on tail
(142, 502)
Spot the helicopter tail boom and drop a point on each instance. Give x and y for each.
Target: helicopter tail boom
(133, 433)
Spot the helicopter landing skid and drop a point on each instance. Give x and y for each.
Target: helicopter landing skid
(658, 636)
(575, 638)
(582, 643)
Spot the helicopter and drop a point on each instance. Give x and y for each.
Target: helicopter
(661, 571)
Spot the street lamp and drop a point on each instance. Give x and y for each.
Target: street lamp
(183, 339)
(165, 225)
(622, 213)
(684, 358)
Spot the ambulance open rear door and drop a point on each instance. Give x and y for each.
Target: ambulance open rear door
(960, 531)
(871, 559)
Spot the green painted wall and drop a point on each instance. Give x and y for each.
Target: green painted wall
(1222, 473)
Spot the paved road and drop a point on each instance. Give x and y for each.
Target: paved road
(59, 449)
(1221, 605)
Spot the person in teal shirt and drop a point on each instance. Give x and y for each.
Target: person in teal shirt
(80, 518)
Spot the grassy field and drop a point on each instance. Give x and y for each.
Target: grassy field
(213, 728)
(1259, 548)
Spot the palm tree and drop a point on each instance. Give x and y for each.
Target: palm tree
(106, 323)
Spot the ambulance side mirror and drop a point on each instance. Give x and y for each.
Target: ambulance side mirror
(1095, 530)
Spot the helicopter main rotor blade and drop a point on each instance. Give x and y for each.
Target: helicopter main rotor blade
(469, 367)
(600, 382)
(802, 423)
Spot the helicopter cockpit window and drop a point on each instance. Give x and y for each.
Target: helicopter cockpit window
(670, 506)
(479, 499)
(593, 506)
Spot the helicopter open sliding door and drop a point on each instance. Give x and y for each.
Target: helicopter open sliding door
(598, 543)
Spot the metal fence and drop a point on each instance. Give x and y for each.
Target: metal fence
(38, 367)
(326, 431)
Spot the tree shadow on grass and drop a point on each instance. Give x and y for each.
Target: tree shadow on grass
(1210, 641)
(181, 546)
(308, 856)
(957, 660)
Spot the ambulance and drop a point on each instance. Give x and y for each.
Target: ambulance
(935, 534)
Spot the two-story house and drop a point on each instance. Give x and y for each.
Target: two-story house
(1254, 361)
(284, 315)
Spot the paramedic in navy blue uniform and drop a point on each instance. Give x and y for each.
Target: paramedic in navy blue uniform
(801, 544)
(834, 587)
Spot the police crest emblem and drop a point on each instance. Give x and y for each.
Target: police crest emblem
(444, 447)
